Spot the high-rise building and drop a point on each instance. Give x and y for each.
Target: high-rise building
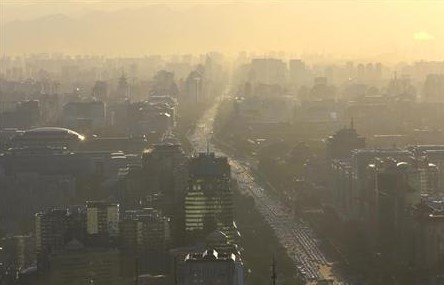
(395, 188)
(432, 168)
(164, 167)
(434, 88)
(102, 219)
(209, 198)
(164, 173)
(268, 71)
(194, 87)
(153, 117)
(77, 264)
(298, 74)
(84, 115)
(144, 242)
(430, 235)
(360, 161)
(56, 226)
(50, 230)
(17, 253)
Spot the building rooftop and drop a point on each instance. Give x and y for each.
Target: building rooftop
(100, 204)
(208, 165)
(210, 255)
(51, 133)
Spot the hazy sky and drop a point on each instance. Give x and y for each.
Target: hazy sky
(345, 28)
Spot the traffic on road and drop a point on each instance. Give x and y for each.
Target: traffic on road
(299, 240)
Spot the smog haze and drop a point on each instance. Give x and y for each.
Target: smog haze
(375, 29)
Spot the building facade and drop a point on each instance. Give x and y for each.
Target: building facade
(210, 267)
(209, 198)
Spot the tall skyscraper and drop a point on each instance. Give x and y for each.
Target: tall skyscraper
(209, 198)
(165, 175)
(164, 168)
(395, 192)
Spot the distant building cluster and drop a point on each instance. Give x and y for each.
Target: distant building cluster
(98, 184)
(395, 197)
(169, 204)
(93, 176)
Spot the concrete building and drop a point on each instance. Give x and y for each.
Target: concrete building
(50, 230)
(321, 90)
(165, 172)
(17, 253)
(341, 173)
(54, 227)
(395, 189)
(147, 117)
(20, 114)
(102, 220)
(433, 90)
(85, 116)
(144, 242)
(263, 110)
(268, 71)
(209, 198)
(360, 190)
(194, 87)
(77, 264)
(434, 157)
(430, 234)
(210, 267)
(298, 73)
(392, 195)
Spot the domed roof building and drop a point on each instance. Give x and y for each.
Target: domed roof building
(48, 137)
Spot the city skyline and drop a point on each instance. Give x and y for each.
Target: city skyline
(230, 143)
(403, 30)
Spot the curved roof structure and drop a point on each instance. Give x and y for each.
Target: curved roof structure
(52, 132)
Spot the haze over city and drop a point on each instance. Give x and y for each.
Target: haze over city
(221, 142)
(401, 30)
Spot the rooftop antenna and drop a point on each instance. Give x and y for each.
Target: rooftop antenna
(273, 272)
